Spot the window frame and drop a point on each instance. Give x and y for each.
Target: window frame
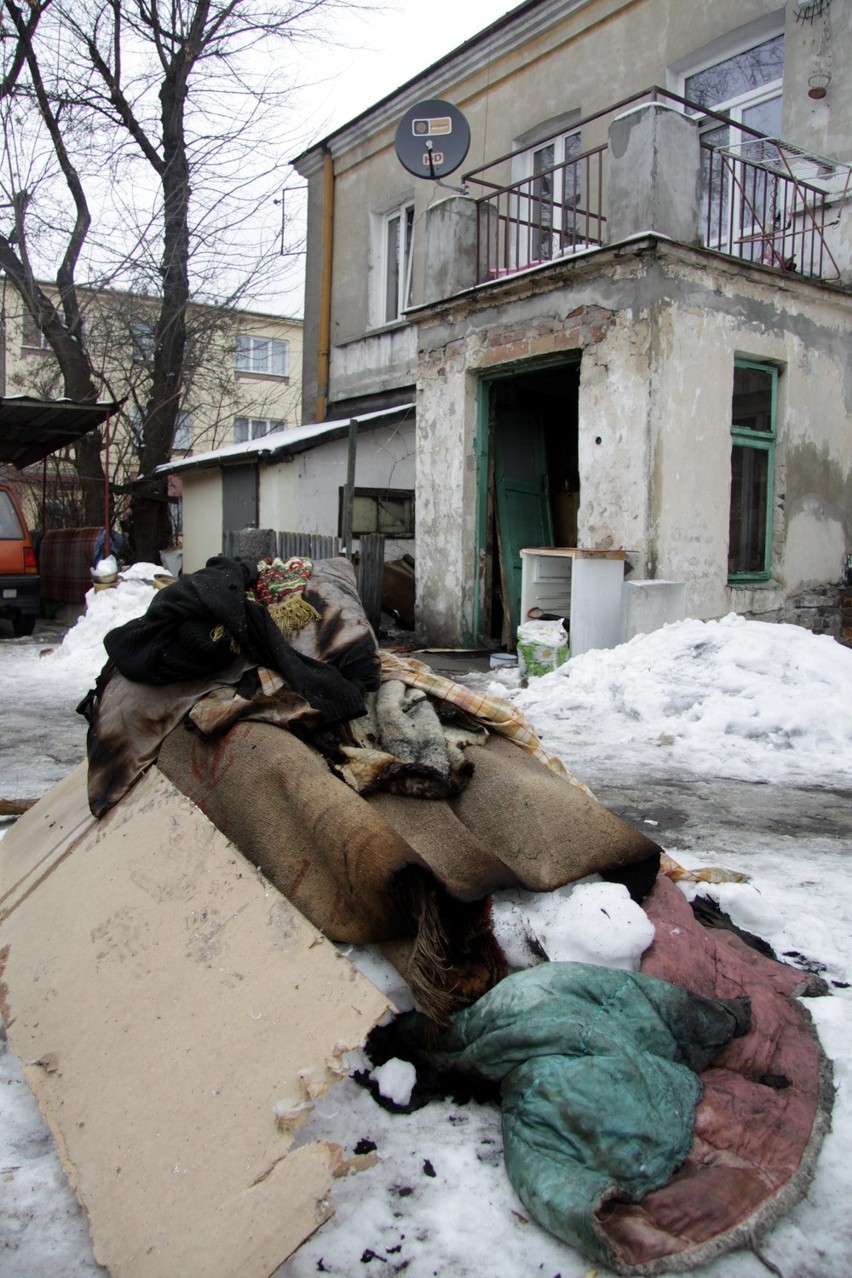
(763, 441)
(736, 107)
(404, 214)
(377, 493)
(246, 349)
(272, 424)
(35, 340)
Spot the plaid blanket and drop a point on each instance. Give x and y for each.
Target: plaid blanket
(65, 562)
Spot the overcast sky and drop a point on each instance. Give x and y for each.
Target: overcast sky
(388, 43)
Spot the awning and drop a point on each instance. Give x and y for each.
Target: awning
(30, 428)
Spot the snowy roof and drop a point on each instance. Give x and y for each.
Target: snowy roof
(284, 443)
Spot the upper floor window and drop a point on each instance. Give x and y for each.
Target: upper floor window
(737, 204)
(32, 338)
(754, 408)
(737, 83)
(183, 432)
(262, 355)
(398, 242)
(555, 198)
(246, 428)
(141, 341)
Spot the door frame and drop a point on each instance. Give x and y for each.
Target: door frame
(483, 553)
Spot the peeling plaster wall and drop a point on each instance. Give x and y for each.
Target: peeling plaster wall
(658, 332)
(613, 445)
(527, 325)
(379, 362)
(710, 320)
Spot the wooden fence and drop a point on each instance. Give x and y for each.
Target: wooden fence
(368, 560)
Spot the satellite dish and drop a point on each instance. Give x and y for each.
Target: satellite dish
(432, 139)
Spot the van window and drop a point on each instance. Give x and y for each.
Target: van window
(10, 524)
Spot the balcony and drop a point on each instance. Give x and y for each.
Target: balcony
(757, 199)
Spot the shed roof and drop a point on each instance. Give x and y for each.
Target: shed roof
(281, 444)
(32, 428)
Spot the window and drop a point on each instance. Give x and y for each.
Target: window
(262, 355)
(142, 341)
(747, 87)
(32, 338)
(555, 198)
(398, 241)
(383, 510)
(246, 428)
(183, 433)
(753, 433)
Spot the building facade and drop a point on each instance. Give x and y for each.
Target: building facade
(624, 319)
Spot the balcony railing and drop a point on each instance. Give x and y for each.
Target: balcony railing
(763, 200)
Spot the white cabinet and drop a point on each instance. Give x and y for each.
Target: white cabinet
(581, 585)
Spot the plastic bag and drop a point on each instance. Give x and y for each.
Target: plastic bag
(542, 646)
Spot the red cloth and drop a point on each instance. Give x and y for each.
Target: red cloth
(763, 1113)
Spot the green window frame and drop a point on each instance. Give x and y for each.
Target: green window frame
(754, 418)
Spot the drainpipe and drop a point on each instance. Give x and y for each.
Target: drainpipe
(324, 352)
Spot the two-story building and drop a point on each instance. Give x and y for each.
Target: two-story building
(624, 317)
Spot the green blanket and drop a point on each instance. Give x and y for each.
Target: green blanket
(596, 1069)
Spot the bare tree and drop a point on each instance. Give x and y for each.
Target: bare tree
(158, 116)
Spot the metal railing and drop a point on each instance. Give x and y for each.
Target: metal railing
(755, 205)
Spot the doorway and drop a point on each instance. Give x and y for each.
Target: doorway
(531, 491)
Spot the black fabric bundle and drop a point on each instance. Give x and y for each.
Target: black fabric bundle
(191, 627)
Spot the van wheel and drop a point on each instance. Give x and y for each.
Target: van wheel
(23, 624)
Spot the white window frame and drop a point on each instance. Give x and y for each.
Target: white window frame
(737, 106)
(561, 133)
(255, 355)
(402, 262)
(248, 428)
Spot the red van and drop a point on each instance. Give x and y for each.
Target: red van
(19, 580)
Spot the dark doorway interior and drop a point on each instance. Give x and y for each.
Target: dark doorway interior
(534, 480)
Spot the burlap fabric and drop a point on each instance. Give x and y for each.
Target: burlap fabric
(336, 855)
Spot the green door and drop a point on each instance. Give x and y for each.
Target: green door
(523, 504)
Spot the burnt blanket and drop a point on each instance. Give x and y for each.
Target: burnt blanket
(201, 635)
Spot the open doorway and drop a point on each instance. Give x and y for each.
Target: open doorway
(530, 418)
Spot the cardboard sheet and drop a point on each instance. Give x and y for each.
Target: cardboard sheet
(174, 1015)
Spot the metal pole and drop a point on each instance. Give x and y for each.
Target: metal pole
(106, 493)
(349, 490)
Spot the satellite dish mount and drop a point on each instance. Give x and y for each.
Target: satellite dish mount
(432, 140)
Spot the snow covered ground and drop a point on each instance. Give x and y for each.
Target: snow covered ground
(730, 742)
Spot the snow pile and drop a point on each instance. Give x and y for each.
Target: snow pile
(732, 698)
(395, 1080)
(585, 922)
(83, 646)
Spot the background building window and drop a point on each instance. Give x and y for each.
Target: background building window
(246, 428)
(32, 338)
(261, 355)
(398, 244)
(754, 409)
(183, 433)
(142, 341)
(384, 510)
